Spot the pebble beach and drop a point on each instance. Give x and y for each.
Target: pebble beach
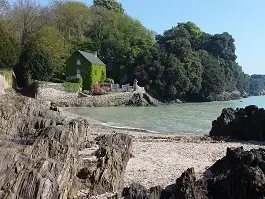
(159, 159)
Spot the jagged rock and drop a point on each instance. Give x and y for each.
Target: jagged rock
(240, 174)
(137, 191)
(141, 99)
(247, 123)
(40, 154)
(226, 96)
(112, 158)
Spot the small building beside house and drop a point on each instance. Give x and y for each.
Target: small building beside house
(86, 66)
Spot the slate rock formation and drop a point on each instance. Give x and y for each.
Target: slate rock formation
(244, 123)
(44, 155)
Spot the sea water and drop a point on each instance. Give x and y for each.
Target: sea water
(176, 118)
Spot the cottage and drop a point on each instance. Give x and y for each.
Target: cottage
(86, 66)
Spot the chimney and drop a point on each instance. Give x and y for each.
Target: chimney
(96, 54)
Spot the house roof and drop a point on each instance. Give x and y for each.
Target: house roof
(92, 58)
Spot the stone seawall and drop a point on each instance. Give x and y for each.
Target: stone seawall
(65, 99)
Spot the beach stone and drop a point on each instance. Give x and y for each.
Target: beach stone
(246, 124)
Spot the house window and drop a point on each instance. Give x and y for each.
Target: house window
(78, 73)
(78, 62)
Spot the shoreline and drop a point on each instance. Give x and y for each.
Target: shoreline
(128, 128)
(160, 158)
(105, 126)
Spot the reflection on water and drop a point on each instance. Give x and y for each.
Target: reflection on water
(189, 117)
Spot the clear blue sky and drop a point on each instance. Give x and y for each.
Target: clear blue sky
(244, 19)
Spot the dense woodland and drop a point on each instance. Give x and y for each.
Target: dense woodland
(183, 62)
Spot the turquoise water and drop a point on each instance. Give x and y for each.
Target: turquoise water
(184, 118)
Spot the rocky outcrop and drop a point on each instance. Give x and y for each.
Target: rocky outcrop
(244, 123)
(240, 174)
(44, 155)
(227, 96)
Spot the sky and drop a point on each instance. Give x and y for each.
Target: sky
(243, 19)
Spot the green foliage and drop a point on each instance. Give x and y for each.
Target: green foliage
(79, 81)
(56, 80)
(97, 74)
(50, 41)
(38, 65)
(8, 48)
(109, 81)
(73, 19)
(183, 62)
(119, 40)
(83, 44)
(109, 5)
(71, 87)
(213, 75)
(189, 63)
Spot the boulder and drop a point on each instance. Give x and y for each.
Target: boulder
(240, 174)
(246, 124)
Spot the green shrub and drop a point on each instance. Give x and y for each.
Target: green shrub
(38, 64)
(71, 87)
(109, 81)
(79, 81)
(105, 84)
(57, 80)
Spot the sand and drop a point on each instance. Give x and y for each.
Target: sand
(159, 158)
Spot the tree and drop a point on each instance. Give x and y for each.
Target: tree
(119, 39)
(72, 18)
(222, 46)
(256, 84)
(213, 77)
(9, 48)
(4, 5)
(49, 41)
(38, 65)
(23, 18)
(109, 5)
